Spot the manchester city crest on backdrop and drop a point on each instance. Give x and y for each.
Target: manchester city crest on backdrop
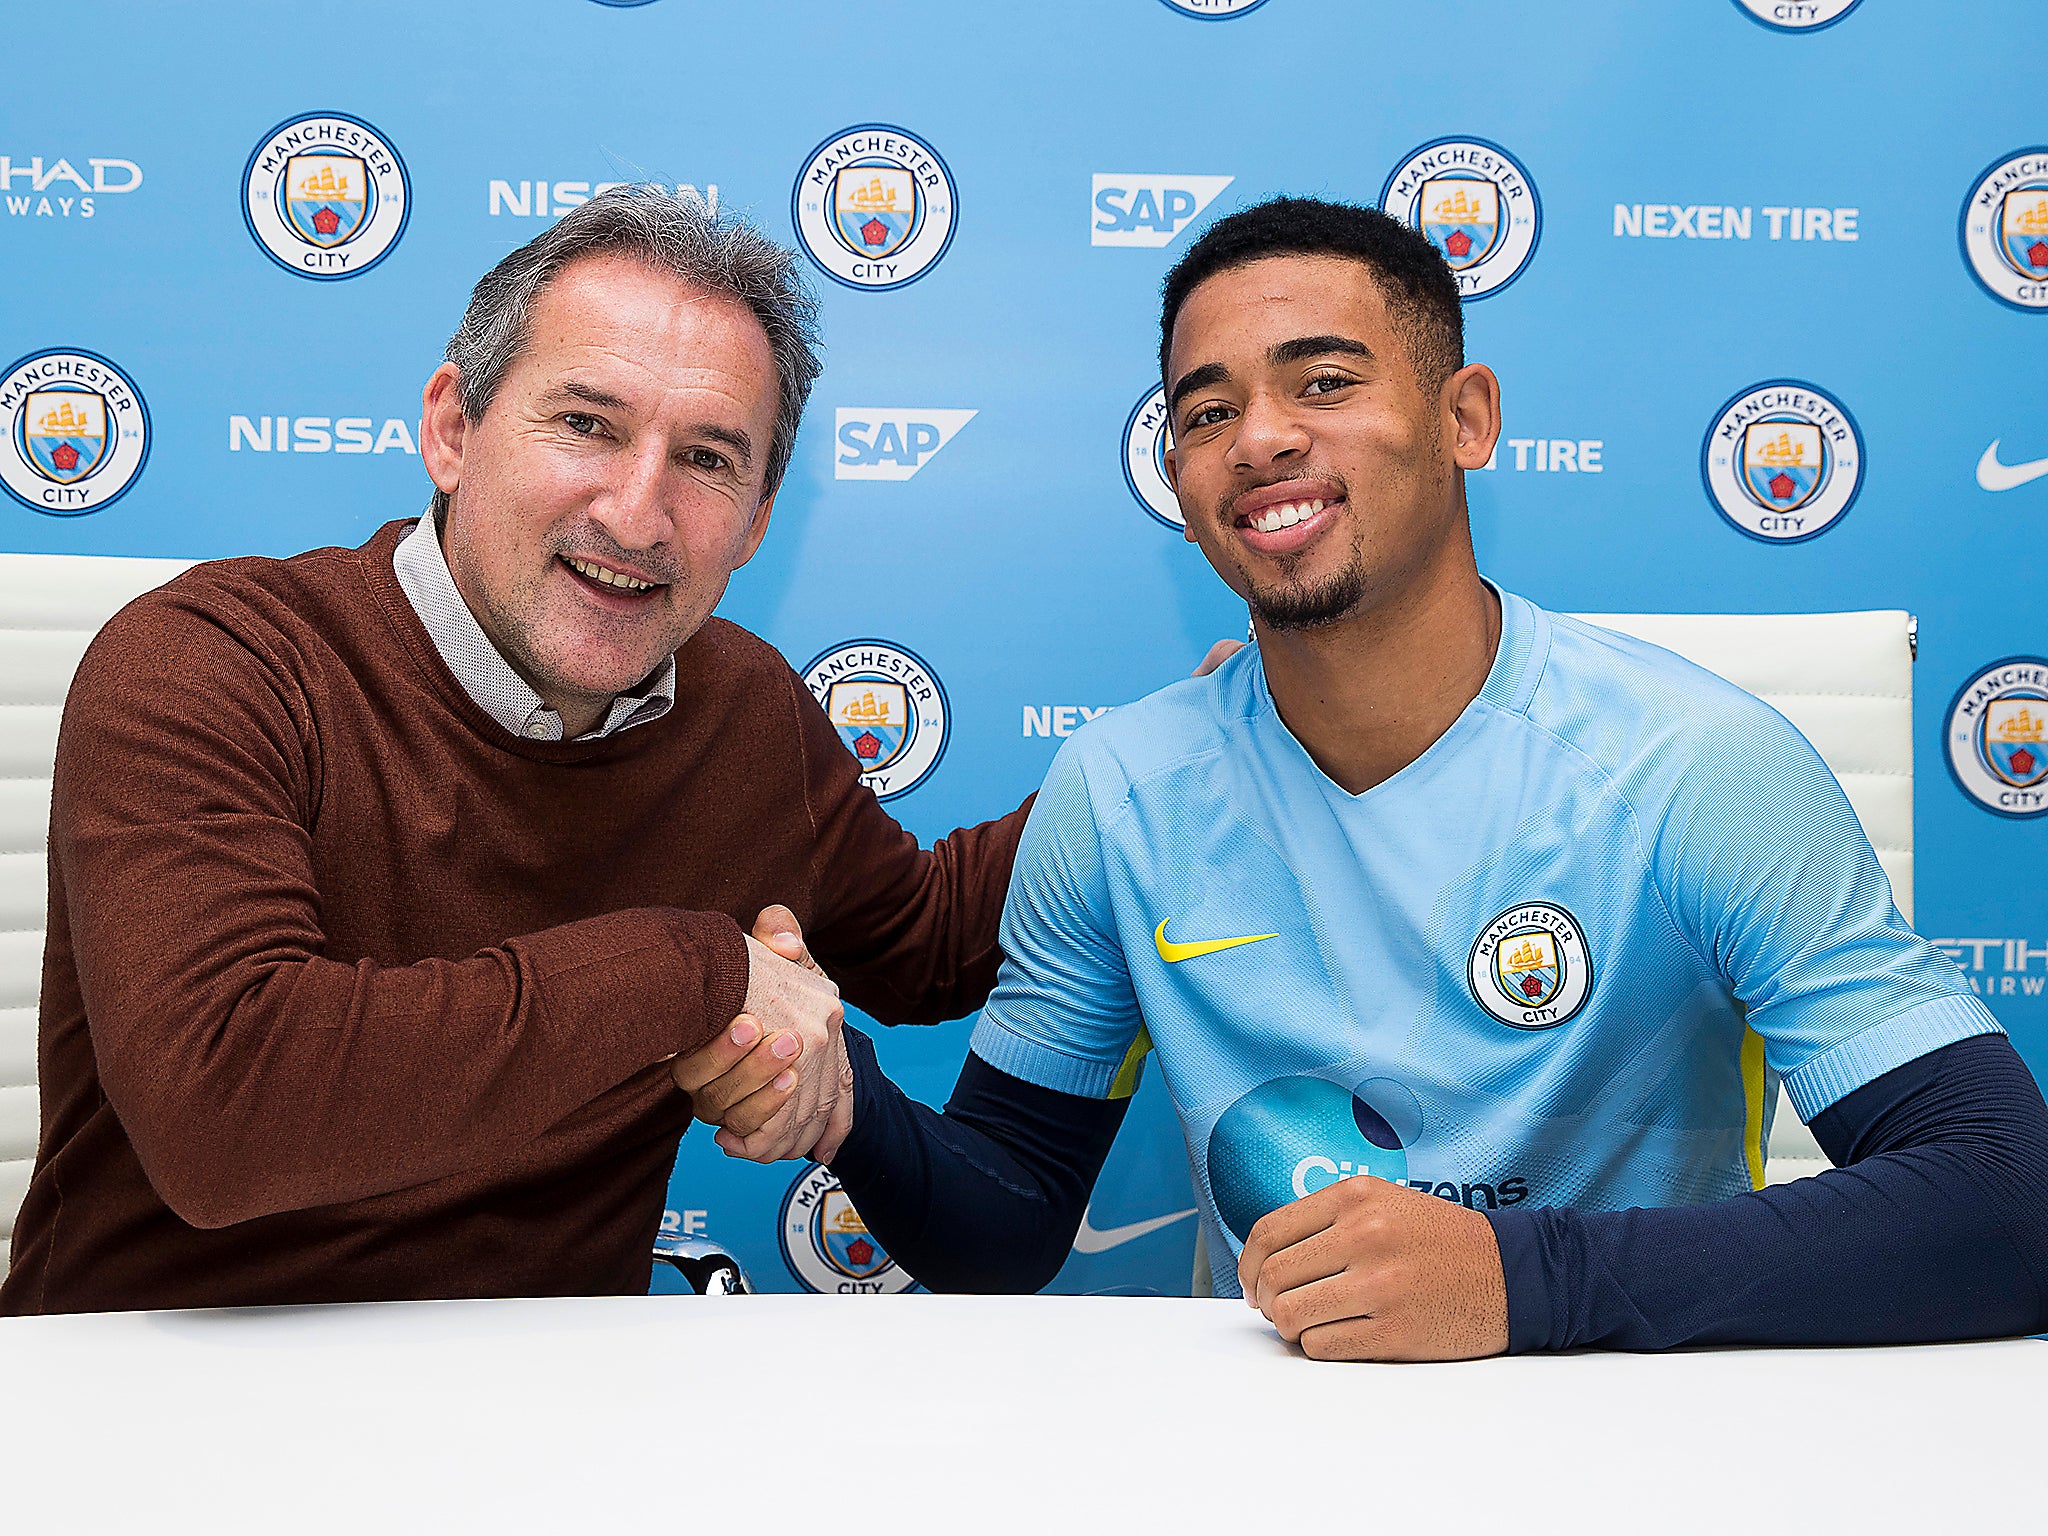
(1147, 436)
(1212, 10)
(1783, 461)
(888, 708)
(1476, 204)
(1796, 15)
(2005, 229)
(326, 195)
(826, 1244)
(1996, 737)
(874, 207)
(77, 432)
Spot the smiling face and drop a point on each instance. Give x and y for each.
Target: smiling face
(614, 482)
(1313, 467)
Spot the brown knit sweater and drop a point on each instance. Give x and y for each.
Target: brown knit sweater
(351, 994)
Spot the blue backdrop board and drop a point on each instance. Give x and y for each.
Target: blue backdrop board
(1761, 278)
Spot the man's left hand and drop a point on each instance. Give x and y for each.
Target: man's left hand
(1367, 1270)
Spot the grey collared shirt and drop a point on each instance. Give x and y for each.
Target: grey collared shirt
(482, 670)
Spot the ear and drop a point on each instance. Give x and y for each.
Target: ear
(757, 528)
(1472, 404)
(1172, 460)
(443, 428)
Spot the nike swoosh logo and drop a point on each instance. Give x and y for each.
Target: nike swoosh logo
(1089, 1240)
(1173, 953)
(1994, 476)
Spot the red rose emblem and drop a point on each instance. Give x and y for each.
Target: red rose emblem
(1459, 245)
(2022, 760)
(326, 221)
(1531, 987)
(1782, 488)
(860, 1252)
(874, 232)
(66, 458)
(867, 746)
(2037, 254)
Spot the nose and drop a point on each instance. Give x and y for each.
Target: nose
(631, 507)
(1268, 433)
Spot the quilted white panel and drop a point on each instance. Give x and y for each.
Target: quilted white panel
(50, 608)
(1846, 680)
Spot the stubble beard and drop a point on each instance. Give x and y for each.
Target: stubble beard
(1293, 604)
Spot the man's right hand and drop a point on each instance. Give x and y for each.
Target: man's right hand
(777, 1080)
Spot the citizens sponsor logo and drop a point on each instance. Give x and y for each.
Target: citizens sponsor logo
(1130, 208)
(1995, 737)
(326, 196)
(1550, 455)
(1292, 1136)
(888, 708)
(320, 434)
(1993, 474)
(552, 199)
(35, 187)
(1721, 221)
(1146, 439)
(77, 432)
(1783, 461)
(1529, 967)
(874, 207)
(878, 442)
(2000, 967)
(827, 1246)
(2004, 230)
(1212, 10)
(1060, 720)
(1476, 204)
(1796, 15)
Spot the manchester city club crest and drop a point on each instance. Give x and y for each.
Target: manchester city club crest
(77, 432)
(2004, 230)
(326, 196)
(874, 207)
(828, 1247)
(1475, 203)
(1212, 10)
(1782, 461)
(1996, 737)
(1529, 967)
(1147, 436)
(888, 708)
(1796, 15)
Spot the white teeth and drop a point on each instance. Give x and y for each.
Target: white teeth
(609, 578)
(1286, 515)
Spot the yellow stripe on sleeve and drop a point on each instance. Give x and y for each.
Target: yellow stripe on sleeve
(1753, 1099)
(1125, 1083)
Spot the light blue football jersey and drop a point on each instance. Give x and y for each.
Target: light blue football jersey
(1564, 957)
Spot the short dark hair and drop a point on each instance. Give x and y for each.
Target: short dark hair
(1421, 294)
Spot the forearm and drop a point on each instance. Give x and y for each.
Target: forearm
(985, 1197)
(1934, 1229)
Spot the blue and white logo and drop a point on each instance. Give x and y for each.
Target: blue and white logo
(1292, 1136)
(888, 708)
(1475, 203)
(1796, 15)
(874, 207)
(1529, 967)
(1147, 436)
(1130, 208)
(77, 432)
(827, 1246)
(1995, 737)
(1212, 10)
(882, 443)
(326, 196)
(2005, 230)
(1783, 461)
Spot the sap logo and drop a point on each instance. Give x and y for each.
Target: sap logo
(531, 199)
(1060, 719)
(1717, 221)
(319, 434)
(684, 1223)
(1553, 455)
(59, 190)
(1133, 209)
(880, 443)
(2011, 977)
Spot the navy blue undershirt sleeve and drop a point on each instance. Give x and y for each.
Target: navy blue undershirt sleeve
(1934, 1225)
(985, 1197)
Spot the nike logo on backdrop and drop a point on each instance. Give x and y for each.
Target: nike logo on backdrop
(1994, 476)
(1173, 953)
(1089, 1240)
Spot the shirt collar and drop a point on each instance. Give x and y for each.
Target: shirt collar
(481, 669)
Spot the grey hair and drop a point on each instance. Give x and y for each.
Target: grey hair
(672, 232)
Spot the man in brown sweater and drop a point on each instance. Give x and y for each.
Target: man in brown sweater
(385, 883)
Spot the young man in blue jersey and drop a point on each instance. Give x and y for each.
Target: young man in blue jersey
(1432, 885)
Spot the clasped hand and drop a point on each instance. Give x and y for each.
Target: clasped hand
(776, 1080)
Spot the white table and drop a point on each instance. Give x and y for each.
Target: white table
(920, 1413)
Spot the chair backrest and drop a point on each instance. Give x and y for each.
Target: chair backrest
(1846, 680)
(50, 608)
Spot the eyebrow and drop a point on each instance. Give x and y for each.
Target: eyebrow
(1299, 349)
(731, 437)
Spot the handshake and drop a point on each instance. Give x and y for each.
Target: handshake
(776, 1081)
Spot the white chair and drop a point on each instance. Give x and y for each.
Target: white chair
(50, 608)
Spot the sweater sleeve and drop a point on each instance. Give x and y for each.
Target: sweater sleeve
(909, 933)
(252, 1074)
